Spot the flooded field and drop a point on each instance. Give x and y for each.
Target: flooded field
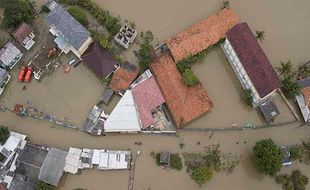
(72, 95)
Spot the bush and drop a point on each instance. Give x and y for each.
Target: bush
(297, 152)
(78, 14)
(112, 24)
(299, 180)
(157, 158)
(176, 162)
(201, 175)
(267, 157)
(182, 66)
(285, 181)
(4, 134)
(44, 186)
(290, 87)
(105, 42)
(189, 78)
(144, 54)
(247, 96)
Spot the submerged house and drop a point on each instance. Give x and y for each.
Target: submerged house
(24, 35)
(250, 64)
(9, 56)
(70, 34)
(4, 79)
(99, 60)
(303, 99)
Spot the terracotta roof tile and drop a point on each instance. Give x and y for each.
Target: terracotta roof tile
(306, 94)
(185, 103)
(122, 78)
(22, 32)
(200, 36)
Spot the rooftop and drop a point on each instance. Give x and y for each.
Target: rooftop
(202, 35)
(99, 60)
(123, 77)
(71, 30)
(3, 75)
(253, 59)
(9, 55)
(185, 103)
(22, 32)
(269, 110)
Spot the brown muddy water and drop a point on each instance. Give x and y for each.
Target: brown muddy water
(287, 29)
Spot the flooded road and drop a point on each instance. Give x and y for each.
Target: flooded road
(287, 28)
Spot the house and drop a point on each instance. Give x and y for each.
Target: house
(4, 79)
(70, 34)
(269, 110)
(125, 36)
(303, 99)
(111, 159)
(202, 35)
(9, 56)
(185, 103)
(52, 168)
(148, 99)
(124, 117)
(24, 35)
(99, 60)
(250, 63)
(122, 77)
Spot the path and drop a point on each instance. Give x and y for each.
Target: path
(132, 172)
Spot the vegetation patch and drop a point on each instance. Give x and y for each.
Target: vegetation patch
(44, 186)
(176, 162)
(144, 54)
(247, 96)
(295, 181)
(78, 14)
(189, 77)
(4, 134)
(202, 174)
(297, 152)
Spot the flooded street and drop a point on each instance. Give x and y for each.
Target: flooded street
(72, 96)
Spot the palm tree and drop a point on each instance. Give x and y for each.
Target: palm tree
(225, 4)
(260, 35)
(286, 69)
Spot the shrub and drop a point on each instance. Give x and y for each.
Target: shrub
(201, 175)
(4, 134)
(290, 87)
(285, 181)
(182, 66)
(267, 157)
(176, 162)
(299, 180)
(105, 42)
(247, 96)
(112, 24)
(157, 158)
(297, 152)
(189, 78)
(78, 14)
(44, 186)
(144, 54)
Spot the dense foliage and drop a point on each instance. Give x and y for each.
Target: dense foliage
(295, 181)
(176, 162)
(44, 186)
(247, 96)
(144, 54)
(286, 69)
(290, 87)
(78, 14)
(201, 174)
(267, 157)
(189, 77)
(16, 12)
(4, 134)
(297, 152)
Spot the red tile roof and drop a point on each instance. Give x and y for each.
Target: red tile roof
(147, 96)
(200, 36)
(123, 77)
(22, 32)
(253, 59)
(306, 93)
(185, 103)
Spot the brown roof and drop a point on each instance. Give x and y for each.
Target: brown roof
(123, 77)
(22, 32)
(200, 36)
(185, 103)
(306, 92)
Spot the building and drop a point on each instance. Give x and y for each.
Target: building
(202, 35)
(122, 77)
(52, 168)
(303, 99)
(70, 34)
(250, 63)
(4, 79)
(269, 110)
(9, 56)
(125, 36)
(184, 103)
(99, 60)
(24, 35)
(95, 122)
(111, 159)
(164, 158)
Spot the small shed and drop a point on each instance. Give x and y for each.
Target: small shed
(269, 110)
(164, 158)
(106, 96)
(24, 35)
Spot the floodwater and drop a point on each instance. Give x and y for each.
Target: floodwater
(72, 96)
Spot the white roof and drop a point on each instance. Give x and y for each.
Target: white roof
(13, 141)
(303, 107)
(111, 159)
(73, 160)
(124, 117)
(9, 54)
(96, 157)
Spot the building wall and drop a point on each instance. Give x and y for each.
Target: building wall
(241, 73)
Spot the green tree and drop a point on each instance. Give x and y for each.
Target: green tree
(290, 87)
(201, 174)
(4, 134)
(105, 42)
(225, 4)
(112, 24)
(189, 78)
(267, 157)
(16, 12)
(44, 186)
(78, 14)
(304, 71)
(247, 96)
(297, 152)
(299, 180)
(286, 69)
(260, 35)
(144, 54)
(176, 162)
